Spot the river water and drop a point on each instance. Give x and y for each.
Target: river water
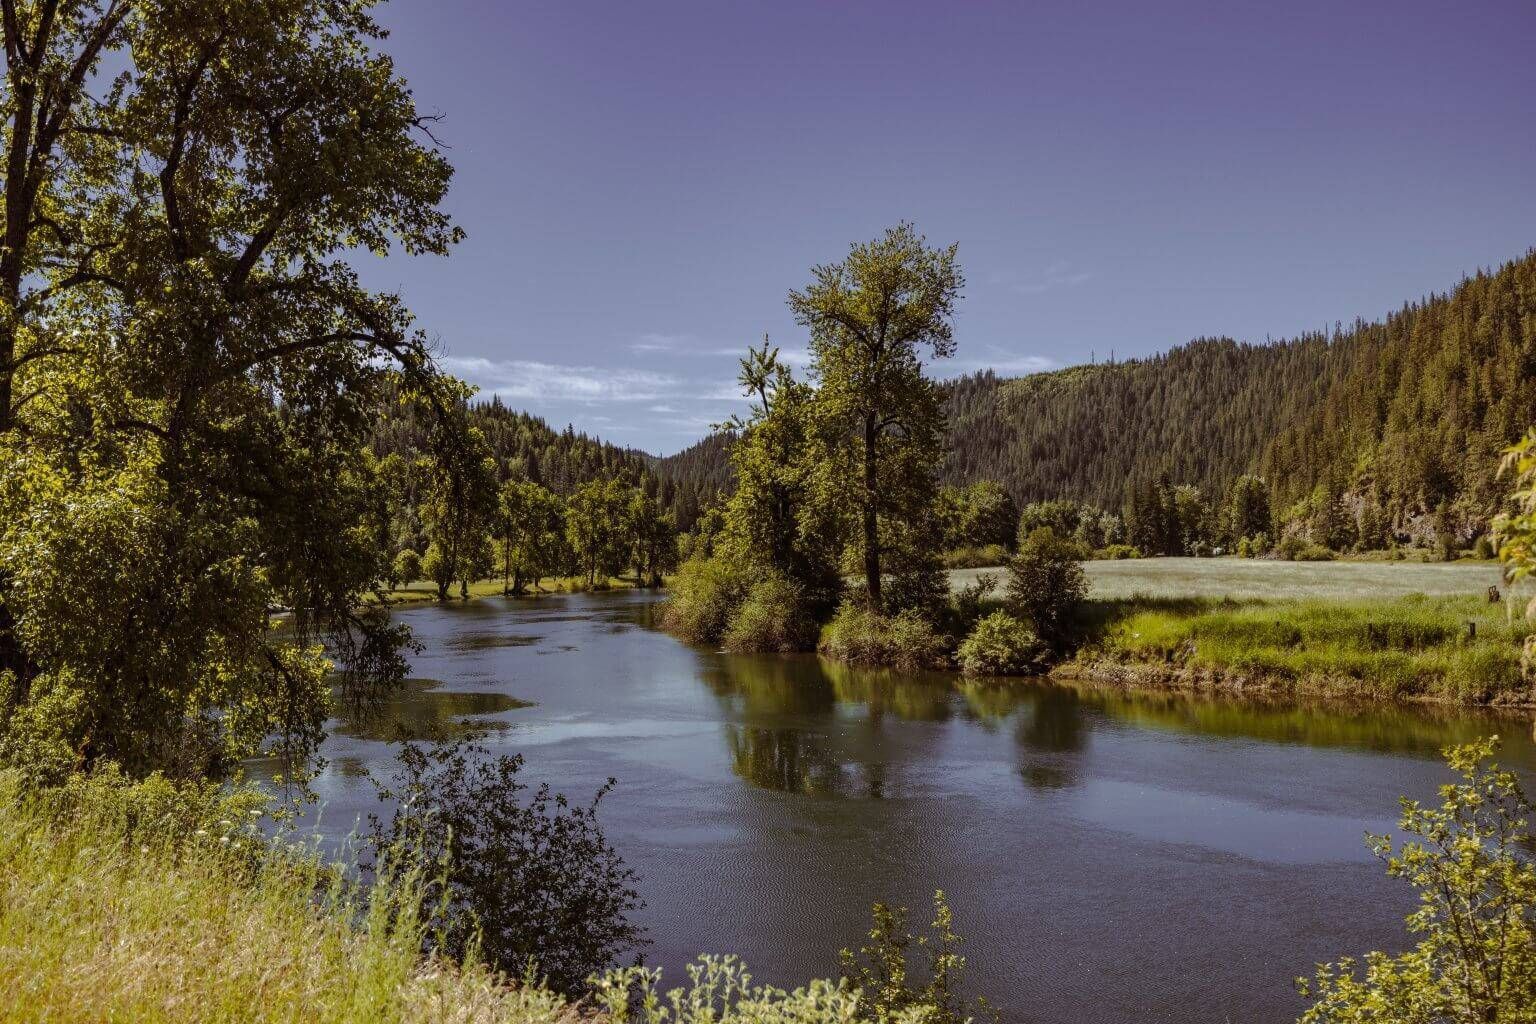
(1108, 858)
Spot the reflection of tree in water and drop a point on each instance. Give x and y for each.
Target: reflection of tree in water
(911, 697)
(1050, 730)
(786, 760)
(421, 711)
(798, 761)
(770, 686)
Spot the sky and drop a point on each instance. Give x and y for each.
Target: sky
(642, 184)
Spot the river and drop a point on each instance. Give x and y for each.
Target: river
(1109, 858)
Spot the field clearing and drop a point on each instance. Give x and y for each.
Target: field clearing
(1244, 579)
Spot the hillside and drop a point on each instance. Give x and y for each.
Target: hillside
(1406, 414)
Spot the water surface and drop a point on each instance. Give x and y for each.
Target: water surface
(1108, 858)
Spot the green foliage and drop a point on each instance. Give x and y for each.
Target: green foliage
(1515, 532)
(859, 635)
(1470, 863)
(773, 617)
(870, 318)
(530, 534)
(1117, 552)
(975, 558)
(1001, 645)
(406, 567)
(720, 991)
(702, 598)
(777, 521)
(982, 515)
(189, 366)
(893, 989)
(1046, 584)
(523, 878)
(594, 528)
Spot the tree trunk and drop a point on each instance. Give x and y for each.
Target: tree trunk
(871, 523)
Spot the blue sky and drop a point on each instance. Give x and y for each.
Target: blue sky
(642, 183)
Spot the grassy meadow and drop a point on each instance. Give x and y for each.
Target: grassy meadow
(1370, 630)
(1246, 579)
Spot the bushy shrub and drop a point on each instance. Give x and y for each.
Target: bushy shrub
(518, 877)
(858, 635)
(1046, 584)
(774, 617)
(1115, 552)
(1315, 553)
(1001, 645)
(975, 557)
(894, 989)
(702, 597)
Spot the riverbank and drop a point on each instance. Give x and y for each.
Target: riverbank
(1460, 650)
(422, 591)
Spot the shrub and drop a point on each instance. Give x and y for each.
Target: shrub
(703, 595)
(720, 991)
(967, 604)
(518, 879)
(1046, 584)
(1314, 553)
(1474, 917)
(892, 989)
(772, 618)
(858, 635)
(1116, 552)
(1001, 645)
(975, 557)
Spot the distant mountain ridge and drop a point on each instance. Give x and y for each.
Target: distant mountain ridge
(1407, 413)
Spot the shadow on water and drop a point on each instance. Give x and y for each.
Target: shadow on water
(424, 711)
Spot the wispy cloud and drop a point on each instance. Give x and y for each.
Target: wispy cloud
(659, 343)
(1056, 276)
(528, 380)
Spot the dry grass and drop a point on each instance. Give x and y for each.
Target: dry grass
(109, 914)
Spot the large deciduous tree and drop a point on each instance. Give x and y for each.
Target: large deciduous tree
(872, 317)
(189, 367)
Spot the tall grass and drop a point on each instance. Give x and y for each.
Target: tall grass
(153, 903)
(156, 903)
(1414, 646)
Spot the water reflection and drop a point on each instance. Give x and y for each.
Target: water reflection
(807, 725)
(424, 711)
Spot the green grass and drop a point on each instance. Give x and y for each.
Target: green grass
(1263, 579)
(421, 591)
(1407, 647)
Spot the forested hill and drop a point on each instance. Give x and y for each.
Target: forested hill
(528, 447)
(1410, 411)
(1407, 413)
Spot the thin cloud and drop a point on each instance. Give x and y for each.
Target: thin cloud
(1056, 276)
(525, 379)
(659, 343)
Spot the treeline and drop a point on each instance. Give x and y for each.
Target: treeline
(1395, 425)
(516, 500)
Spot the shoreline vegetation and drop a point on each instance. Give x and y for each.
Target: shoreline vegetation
(1451, 646)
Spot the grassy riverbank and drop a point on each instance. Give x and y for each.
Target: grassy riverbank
(1457, 649)
(144, 904)
(421, 591)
